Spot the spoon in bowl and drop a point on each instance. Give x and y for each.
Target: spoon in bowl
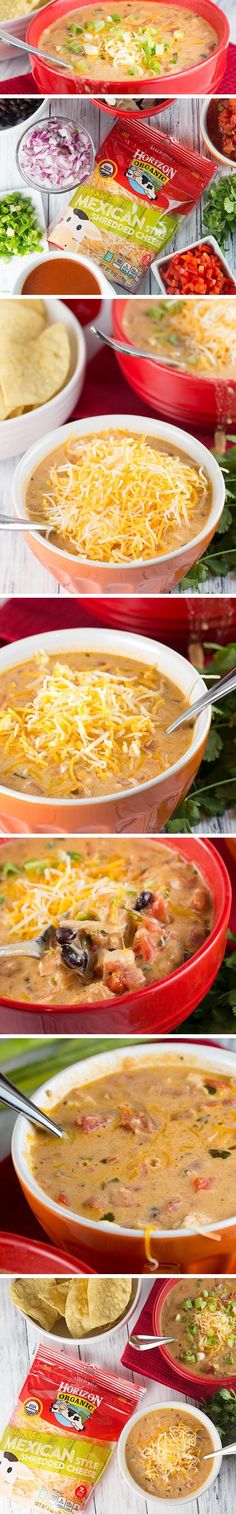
(218, 690)
(36, 947)
(11, 1095)
(221, 1451)
(147, 1342)
(25, 47)
(153, 357)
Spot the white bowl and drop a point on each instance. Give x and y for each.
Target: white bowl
(115, 571)
(11, 133)
(170, 1503)
(22, 431)
(104, 288)
(199, 242)
(105, 811)
(68, 1342)
(215, 151)
(212, 1058)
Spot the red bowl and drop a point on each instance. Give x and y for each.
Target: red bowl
(202, 79)
(162, 1006)
(134, 115)
(201, 1381)
(18, 1255)
(185, 398)
(180, 620)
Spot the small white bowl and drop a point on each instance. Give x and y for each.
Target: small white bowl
(199, 242)
(68, 1342)
(23, 431)
(103, 287)
(11, 133)
(215, 151)
(170, 1503)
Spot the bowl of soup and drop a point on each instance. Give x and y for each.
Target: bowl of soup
(130, 503)
(218, 128)
(201, 1314)
(202, 392)
(161, 1454)
(145, 46)
(157, 916)
(148, 1169)
(57, 773)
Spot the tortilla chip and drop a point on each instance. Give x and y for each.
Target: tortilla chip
(54, 1292)
(76, 1310)
(25, 1293)
(32, 373)
(107, 1299)
(22, 319)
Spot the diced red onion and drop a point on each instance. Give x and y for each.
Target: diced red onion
(56, 154)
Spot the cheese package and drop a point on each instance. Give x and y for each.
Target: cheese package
(141, 185)
(63, 1430)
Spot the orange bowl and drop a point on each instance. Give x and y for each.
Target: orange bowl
(107, 1246)
(144, 808)
(153, 576)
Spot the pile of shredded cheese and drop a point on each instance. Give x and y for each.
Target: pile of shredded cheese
(114, 498)
(211, 324)
(80, 726)
(174, 1451)
(45, 890)
(215, 1322)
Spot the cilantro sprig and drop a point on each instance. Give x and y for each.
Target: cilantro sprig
(214, 789)
(219, 209)
(220, 557)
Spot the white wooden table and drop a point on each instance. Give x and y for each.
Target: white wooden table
(17, 1344)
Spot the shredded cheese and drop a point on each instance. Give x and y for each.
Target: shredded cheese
(210, 325)
(82, 725)
(47, 889)
(115, 498)
(215, 1322)
(173, 1451)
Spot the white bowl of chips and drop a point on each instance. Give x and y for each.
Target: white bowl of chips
(71, 1310)
(43, 359)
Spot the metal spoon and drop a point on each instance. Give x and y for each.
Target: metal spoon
(147, 1342)
(217, 691)
(25, 47)
(9, 523)
(11, 1095)
(34, 948)
(222, 1451)
(167, 362)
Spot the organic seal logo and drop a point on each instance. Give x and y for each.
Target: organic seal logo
(33, 1406)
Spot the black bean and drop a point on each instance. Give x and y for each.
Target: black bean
(64, 933)
(75, 956)
(144, 899)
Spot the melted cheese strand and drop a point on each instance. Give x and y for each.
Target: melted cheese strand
(173, 1451)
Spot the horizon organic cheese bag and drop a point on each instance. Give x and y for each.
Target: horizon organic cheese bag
(141, 185)
(63, 1430)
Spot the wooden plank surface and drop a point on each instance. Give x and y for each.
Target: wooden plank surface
(17, 1344)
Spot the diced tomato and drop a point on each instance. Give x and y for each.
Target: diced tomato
(202, 1184)
(200, 899)
(142, 944)
(197, 271)
(89, 1122)
(61, 1198)
(159, 908)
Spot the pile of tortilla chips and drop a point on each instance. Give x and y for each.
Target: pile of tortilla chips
(83, 1305)
(34, 357)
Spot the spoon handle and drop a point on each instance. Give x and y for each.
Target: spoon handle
(7, 523)
(12, 1096)
(130, 351)
(221, 1451)
(217, 691)
(25, 47)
